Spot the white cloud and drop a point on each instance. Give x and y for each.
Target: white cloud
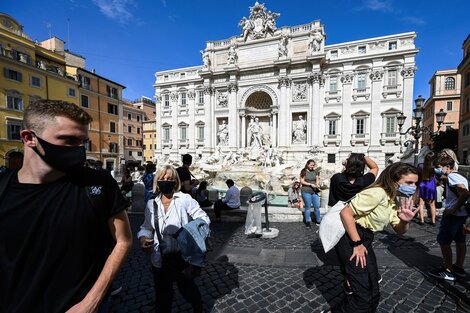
(378, 5)
(414, 20)
(118, 10)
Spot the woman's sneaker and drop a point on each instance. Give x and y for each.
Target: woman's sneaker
(442, 273)
(347, 288)
(459, 271)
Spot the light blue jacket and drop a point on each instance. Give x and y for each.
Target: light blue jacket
(192, 241)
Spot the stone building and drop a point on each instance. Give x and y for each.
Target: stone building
(464, 133)
(444, 94)
(287, 89)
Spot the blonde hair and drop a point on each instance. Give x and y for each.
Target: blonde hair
(174, 175)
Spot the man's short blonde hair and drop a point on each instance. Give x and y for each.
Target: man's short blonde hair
(42, 112)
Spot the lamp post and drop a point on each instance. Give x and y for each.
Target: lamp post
(417, 130)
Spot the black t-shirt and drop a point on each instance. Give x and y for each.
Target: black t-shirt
(342, 190)
(55, 240)
(184, 174)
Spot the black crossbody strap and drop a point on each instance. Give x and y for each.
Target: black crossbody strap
(157, 226)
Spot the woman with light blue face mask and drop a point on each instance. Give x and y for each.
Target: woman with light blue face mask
(369, 211)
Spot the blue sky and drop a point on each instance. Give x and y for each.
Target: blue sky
(127, 41)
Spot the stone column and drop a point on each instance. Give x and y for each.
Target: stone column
(284, 114)
(233, 119)
(274, 132)
(376, 94)
(243, 130)
(174, 126)
(208, 117)
(316, 114)
(192, 119)
(346, 130)
(408, 74)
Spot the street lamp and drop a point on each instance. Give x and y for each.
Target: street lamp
(417, 130)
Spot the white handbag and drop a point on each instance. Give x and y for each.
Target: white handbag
(331, 226)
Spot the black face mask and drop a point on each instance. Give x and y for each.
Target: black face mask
(62, 158)
(166, 186)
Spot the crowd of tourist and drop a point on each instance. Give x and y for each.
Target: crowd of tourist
(93, 237)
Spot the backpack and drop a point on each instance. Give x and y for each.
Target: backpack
(96, 195)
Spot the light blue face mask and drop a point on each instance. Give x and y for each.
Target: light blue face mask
(406, 190)
(439, 171)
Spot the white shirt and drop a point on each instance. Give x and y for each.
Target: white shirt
(181, 207)
(451, 198)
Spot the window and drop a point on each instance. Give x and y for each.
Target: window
(334, 54)
(450, 83)
(138, 130)
(71, 92)
(200, 96)
(84, 101)
(183, 133)
(392, 77)
(139, 153)
(183, 98)
(35, 81)
(13, 130)
(112, 92)
(466, 130)
(85, 82)
(112, 127)
(15, 102)
(166, 101)
(112, 109)
(200, 132)
(392, 45)
(138, 118)
(113, 147)
(331, 158)
(129, 116)
(129, 142)
(182, 75)
(334, 84)
(129, 129)
(13, 75)
(130, 153)
(449, 105)
(332, 127)
(165, 77)
(360, 126)
(361, 50)
(88, 146)
(361, 81)
(390, 125)
(166, 134)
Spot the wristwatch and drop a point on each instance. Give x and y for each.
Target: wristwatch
(357, 243)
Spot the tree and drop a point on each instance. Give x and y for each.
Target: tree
(446, 139)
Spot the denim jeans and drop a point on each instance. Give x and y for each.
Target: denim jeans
(309, 200)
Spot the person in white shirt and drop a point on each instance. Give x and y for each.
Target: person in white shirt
(453, 221)
(164, 216)
(231, 200)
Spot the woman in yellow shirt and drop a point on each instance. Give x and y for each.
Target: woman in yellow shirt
(371, 210)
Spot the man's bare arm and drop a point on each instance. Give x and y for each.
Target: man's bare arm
(121, 231)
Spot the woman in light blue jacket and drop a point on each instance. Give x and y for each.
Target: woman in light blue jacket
(164, 216)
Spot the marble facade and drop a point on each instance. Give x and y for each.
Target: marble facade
(285, 88)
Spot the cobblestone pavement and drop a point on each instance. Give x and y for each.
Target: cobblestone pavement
(292, 274)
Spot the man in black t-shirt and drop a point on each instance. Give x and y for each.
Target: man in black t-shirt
(188, 181)
(64, 229)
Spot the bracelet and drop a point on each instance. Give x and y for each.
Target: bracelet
(356, 243)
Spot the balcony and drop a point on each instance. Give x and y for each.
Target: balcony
(393, 138)
(167, 143)
(333, 95)
(361, 92)
(183, 143)
(392, 90)
(332, 140)
(360, 139)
